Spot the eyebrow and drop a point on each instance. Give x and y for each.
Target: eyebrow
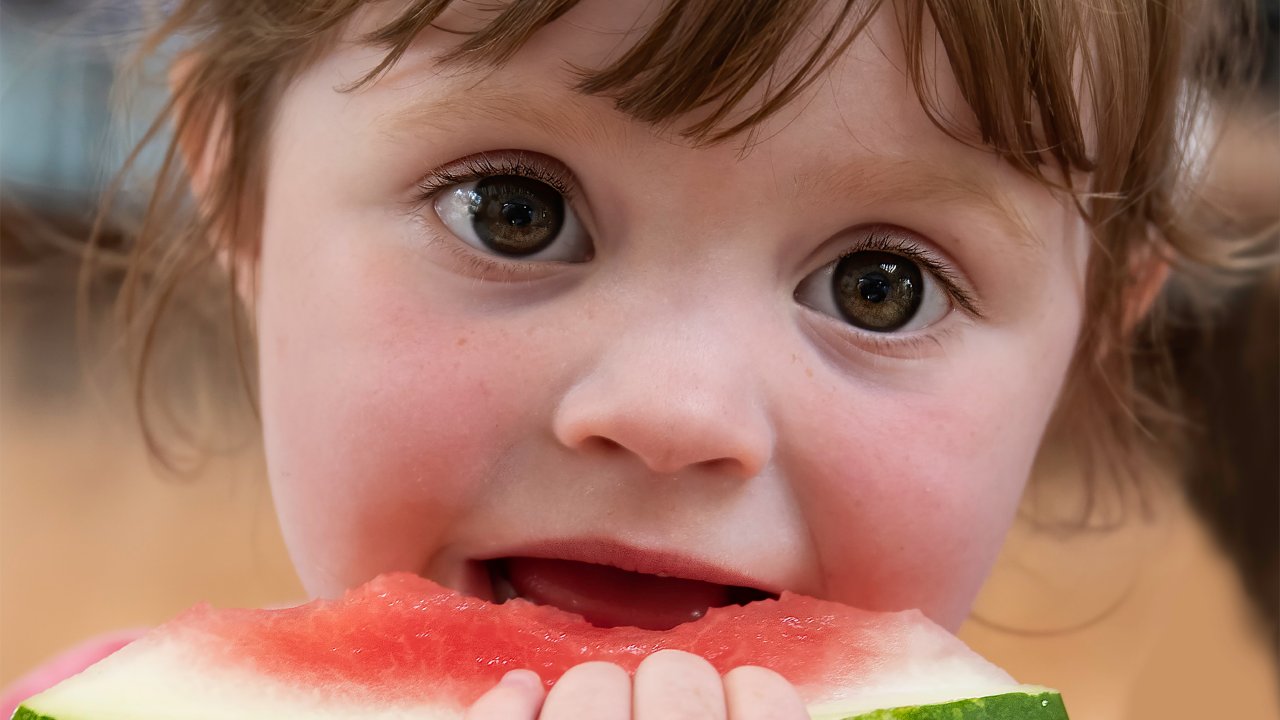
(887, 180)
(569, 116)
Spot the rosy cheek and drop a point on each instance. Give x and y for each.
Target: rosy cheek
(908, 494)
(382, 416)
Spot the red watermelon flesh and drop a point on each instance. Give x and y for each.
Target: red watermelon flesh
(403, 621)
(404, 642)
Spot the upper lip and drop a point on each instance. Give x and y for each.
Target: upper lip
(652, 561)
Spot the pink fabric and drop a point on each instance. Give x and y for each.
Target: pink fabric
(62, 667)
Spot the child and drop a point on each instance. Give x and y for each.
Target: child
(712, 298)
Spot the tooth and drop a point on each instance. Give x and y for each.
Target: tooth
(503, 590)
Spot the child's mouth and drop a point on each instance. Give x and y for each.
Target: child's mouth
(607, 596)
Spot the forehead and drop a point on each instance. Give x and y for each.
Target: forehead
(858, 131)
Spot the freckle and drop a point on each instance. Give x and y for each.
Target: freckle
(808, 372)
(794, 358)
(462, 341)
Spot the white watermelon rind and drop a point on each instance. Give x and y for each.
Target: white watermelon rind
(176, 676)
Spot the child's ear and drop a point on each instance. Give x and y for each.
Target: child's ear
(200, 129)
(197, 130)
(1148, 273)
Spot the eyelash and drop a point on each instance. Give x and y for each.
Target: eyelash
(483, 165)
(898, 346)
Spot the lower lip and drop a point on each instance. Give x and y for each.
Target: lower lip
(608, 596)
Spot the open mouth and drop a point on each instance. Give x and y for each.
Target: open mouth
(607, 596)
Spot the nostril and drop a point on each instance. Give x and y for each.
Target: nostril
(726, 466)
(601, 443)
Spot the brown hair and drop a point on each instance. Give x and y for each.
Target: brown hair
(1021, 66)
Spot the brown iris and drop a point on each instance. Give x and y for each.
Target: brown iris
(877, 291)
(514, 215)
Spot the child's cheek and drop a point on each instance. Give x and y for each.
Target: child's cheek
(382, 411)
(909, 491)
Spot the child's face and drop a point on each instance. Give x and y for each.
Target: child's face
(675, 379)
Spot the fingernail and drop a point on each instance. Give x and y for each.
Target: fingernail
(526, 678)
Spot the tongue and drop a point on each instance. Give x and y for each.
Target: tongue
(609, 597)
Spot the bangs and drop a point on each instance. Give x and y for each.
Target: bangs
(719, 61)
(703, 57)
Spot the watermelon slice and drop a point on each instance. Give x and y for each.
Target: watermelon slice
(403, 647)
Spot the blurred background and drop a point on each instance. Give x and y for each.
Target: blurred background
(1167, 614)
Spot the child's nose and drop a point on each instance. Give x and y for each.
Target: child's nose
(673, 404)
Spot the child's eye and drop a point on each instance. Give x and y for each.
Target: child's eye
(881, 288)
(514, 217)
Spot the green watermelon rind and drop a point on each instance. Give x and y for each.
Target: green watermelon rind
(1008, 706)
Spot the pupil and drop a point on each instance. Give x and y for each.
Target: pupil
(874, 288)
(516, 216)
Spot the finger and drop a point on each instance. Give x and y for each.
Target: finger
(595, 690)
(518, 696)
(674, 685)
(756, 693)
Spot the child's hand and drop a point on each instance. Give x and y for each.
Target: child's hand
(668, 685)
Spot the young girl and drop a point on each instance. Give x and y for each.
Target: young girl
(709, 299)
